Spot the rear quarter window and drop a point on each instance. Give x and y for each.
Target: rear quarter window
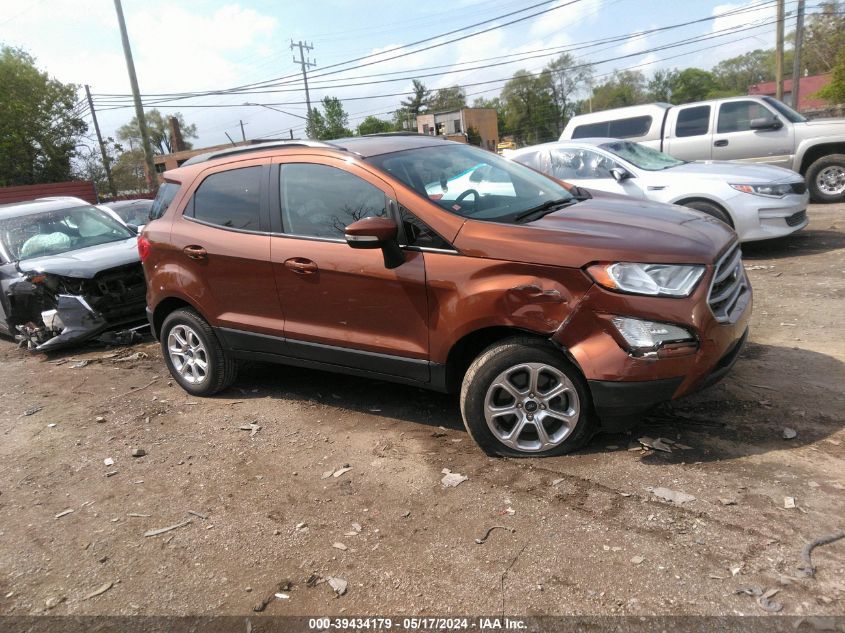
(164, 197)
(620, 128)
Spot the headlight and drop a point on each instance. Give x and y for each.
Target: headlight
(668, 280)
(645, 336)
(773, 191)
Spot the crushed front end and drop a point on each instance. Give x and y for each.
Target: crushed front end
(49, 311)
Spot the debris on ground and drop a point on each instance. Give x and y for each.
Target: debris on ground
(789, 434)
(356, 530)
(338, 585)
(480, 541)
(450, 479)
(406, 514)
(506, 512)
(63, 513)
(806, 568)
(55, 601)
(138, 452)
(252, 427)
(281, 596)
(726, 501)
(340, 546)
(789, 502)
(99, 590)
(80, 364)
(555, 482)
(135, 356)
(99, 419)
(343, 469)
(302, 526)
(767, 604)
(749, 591)
(673, 496)
(31, 411)
(658, 445)
(167, 529)
(108, 461)
(138, 515)
(280, 589)
(197, 514)
(637, 559)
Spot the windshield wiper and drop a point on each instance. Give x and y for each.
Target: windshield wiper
(550, 206)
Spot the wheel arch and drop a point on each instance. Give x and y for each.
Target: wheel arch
(699, 198)
(166, 307)
(819, 151)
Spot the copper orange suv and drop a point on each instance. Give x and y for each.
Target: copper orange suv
(417, 260)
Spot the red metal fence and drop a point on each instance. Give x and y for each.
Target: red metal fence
(78, 188)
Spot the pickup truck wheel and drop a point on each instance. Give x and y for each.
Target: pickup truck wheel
(522, 398)
(710, 208)
(826, 179)
(193, 354)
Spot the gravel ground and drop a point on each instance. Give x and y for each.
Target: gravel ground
(269, 506)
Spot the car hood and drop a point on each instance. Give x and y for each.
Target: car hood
(85, 263)
(602, 229)
(731, 172)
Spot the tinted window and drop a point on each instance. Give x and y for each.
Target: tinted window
(736, 116)
(590, 130)
(693, 121)
(230, 199)
(164, 197)
(418, 233)
(625, 128)
(321, 201)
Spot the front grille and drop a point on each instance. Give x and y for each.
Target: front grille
(799, 187)
(796, 218)
(728, 286)
(119, 294)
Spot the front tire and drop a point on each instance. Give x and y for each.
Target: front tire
(522, 398)
(826, 179)
(193, 354)
(711, 208)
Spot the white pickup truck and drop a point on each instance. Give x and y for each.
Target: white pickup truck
(752, 129)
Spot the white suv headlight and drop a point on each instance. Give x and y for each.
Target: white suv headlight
(667, 280)
(771, 190)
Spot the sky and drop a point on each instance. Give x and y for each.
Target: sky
(203, 45)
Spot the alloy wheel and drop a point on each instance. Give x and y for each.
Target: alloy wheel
(188, 354)
(531, 407)
(831, 180)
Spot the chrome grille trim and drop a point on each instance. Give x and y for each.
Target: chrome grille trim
(728, 285)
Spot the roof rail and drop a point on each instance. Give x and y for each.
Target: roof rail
(257, 147)
(399, 133)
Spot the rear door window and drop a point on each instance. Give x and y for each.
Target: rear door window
(321, 201)
(230, 199)
(693, 121)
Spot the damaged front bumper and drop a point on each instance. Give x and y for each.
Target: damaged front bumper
(73, 321)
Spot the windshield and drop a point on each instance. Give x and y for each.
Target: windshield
(641, 156)
(471, 182)
(785, 110)
(59, 231)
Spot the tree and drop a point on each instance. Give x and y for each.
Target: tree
(415, 104)
(329, 124)
(374, 125)
(660, 85)
(158, 130)
(474, 136)
(692, 84)
(447, 99)
(824, 38)
(529, 109)
(39, 130)
(736, 74)
(835, 90)
(128, 172)
(624, 88)
(566, 80)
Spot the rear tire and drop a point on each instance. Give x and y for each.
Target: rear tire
(826, 179)
(522, 398)
(193, 354)
(710, 208)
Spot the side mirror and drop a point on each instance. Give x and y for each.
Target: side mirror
(620, 174)
(134, 228)
(377, 233)
(766, 123)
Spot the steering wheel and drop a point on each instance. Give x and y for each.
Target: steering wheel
(465, 194)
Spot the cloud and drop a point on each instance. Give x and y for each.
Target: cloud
(563, 19)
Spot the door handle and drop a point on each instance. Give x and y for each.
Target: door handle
(721, 143)
(195, 252)
(301, 266)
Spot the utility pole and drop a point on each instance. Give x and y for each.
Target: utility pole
(796, 55)
(230, 138)
(152, 179)
(243, 134)
(779, 54)
(305, 63)
(106, 164)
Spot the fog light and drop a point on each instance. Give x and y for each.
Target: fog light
(647, 336)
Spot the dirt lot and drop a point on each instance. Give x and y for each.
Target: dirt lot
(587, 534)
